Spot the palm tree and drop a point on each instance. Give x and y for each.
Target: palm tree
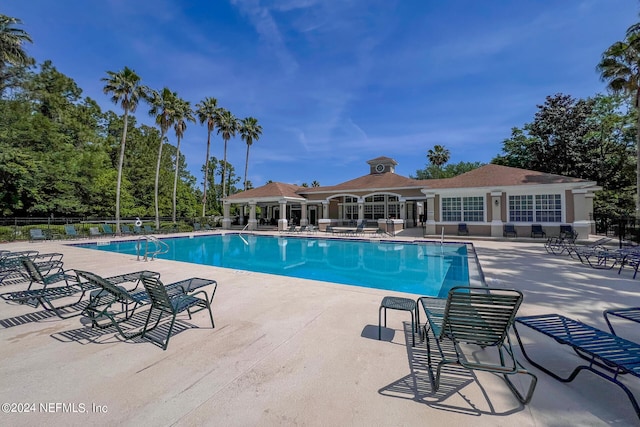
(250, 131)
(181, 113)
(228, 126)
(207, 111)
(620, 67)
(12, 51)
(438, 156)
(126, 89)
(162, 105)
(11, 42)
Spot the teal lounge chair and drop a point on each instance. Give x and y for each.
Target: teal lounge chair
(37, 234)
(106, 229)
(70, 231)
(125, 229)
(111, 304)
(172, 304)
(47, 274)
(477, 316)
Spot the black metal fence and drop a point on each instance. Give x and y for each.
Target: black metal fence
(626, 229)
(12, 229)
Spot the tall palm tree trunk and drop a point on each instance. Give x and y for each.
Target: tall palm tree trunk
(246, 167)
(120, 165)
(206, 176)
(224, 171)
(158, 181)
(175, 181)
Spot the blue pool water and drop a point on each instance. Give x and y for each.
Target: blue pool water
(420, 268)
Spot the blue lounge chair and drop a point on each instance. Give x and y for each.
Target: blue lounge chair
(125, 229)
(479, 316)
(604, 353)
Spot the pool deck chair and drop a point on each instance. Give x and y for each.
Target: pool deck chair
(605, 354)
(509, 231)
(632, 260)
(463, 230)
(46, 274)
(166, 302)
(70, 232)
(111, 304)
(537, 231)
(479, 316)
(46, 296)
(37, 234)
(106, 229)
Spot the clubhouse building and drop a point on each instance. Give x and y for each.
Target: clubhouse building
(485, 199)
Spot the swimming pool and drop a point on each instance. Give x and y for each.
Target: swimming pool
(423, 268)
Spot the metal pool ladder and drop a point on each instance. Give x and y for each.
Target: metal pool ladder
(152, 248)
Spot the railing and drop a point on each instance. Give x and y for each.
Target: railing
(152, 248)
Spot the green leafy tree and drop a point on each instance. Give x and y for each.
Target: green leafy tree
(207, 112)
(432, 171)
(125, 88)
(250, 131)
(560, 140)
(315, 183)
(227, 126)
(620, 68)
(162, 108)
(182, 114)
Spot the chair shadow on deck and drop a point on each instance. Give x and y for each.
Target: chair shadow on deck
(110, 334)
(450, 396)
(37, 316)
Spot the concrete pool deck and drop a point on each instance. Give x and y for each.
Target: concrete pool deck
(289, 351)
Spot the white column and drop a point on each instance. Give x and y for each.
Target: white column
(325, 209)
(226, 220)
(303, 214)
(253, 222)
(582, 212)
(282, 222)
(430, 213)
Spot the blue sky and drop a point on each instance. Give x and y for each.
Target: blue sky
(336, 83)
